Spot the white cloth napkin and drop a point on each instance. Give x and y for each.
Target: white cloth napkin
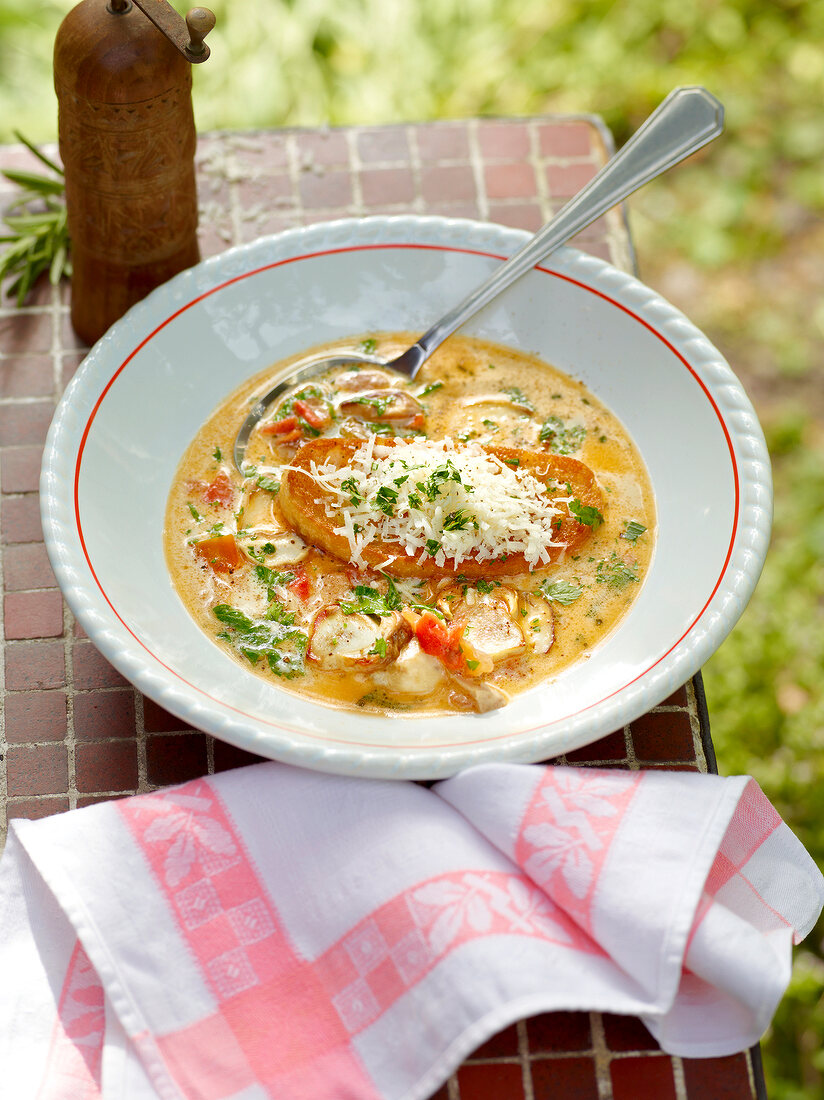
(275, 932)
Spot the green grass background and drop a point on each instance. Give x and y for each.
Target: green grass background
(735, 239)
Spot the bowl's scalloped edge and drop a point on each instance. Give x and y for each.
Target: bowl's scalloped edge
(74, 576)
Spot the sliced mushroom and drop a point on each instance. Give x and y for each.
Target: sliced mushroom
(340, 641)
(366, 378)
(258, 509)
(381, 405)
(505, 401)
(414, 673)
(537, 622)
(489, 619)
(483, 695)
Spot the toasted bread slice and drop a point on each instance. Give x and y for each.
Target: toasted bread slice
(304, 503)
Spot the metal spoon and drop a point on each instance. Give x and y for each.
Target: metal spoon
(688, 118)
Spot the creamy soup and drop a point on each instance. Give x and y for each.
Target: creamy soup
(429, 546)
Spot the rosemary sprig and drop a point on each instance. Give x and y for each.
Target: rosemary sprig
(39, 238)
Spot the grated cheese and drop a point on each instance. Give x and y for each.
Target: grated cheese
(436, 500)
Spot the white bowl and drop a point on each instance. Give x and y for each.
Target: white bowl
(148, 385)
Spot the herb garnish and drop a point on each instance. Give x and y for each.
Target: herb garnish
(562, 440)
(562, 592)
(587, 514)
(616, 572)
(274, 638)
(632, 531)
(369, 601)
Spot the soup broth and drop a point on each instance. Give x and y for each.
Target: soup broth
(444, 622)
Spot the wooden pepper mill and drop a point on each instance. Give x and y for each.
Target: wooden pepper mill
(127, 141)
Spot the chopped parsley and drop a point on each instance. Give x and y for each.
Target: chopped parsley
(369, 601)
(616, 572)
(430, 388)
(195, 514)
(562, 592)
(274, 639)
(518, 397)
(369, 345)
(632, 531)
(270, 484)
(587, 514)
(379, 648)
(217, 455)
(459, 521)
(432, 546)
(562, 439)
(350, 486)
(385, 500)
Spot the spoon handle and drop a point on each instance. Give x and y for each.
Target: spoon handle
(688, 118)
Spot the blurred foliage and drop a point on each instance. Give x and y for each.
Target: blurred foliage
(735, 238)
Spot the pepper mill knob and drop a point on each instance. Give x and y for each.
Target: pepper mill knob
(199, 21)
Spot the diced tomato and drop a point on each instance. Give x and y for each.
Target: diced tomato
(315, 417)
(281, 427)
(441, 641)
(221, 553)
(301, 585)
(417, 420)
(220, 491)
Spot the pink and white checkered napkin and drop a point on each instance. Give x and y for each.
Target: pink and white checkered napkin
(274, 932)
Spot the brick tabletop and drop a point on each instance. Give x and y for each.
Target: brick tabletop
(73, 731)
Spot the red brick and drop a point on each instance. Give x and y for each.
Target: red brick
(510, 181)
(21, 519)
(228, 756)
(626, 1033)
(611, 747)
(520, 215)
(559, 1031)
(69, 339)
(35, 716)
(27, 566)
(503, 140)
(106, 766)
(26, 376)
(721, 1078)
(273, 190)
(35, 808)
(36, 769)
(35, 665)
(267, 155)
(441, 1094)
(502, 1045)
(677, 699)
(33, 614)
(104, 714)
(643, 1078)
(322, 147)
(175, 758)
(70, 362)
(454, 210)
(158, 720)
(663, 736)
(387, 185)
(491, 1082)
(327, 189)
(570, 1078)
(566, 180)
(25, 422)
(383, 143)
(91, 670)
(448, 183)
(443, 141)
(25, 332)
(21, 469)
(565, 139)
